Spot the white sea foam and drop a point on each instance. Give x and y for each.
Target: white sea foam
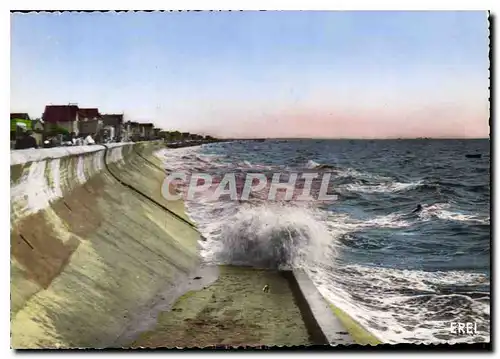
(396, 305)
(444, 211)
(396, 317)
(312, 164)
(386, 307)
(382, 188)
(265, 235)
(350, 172)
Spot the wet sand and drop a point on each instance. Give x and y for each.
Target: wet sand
(233, 311)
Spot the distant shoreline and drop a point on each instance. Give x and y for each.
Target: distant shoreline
(181, 144)
(353, 139)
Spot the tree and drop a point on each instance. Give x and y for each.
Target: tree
(57, 130)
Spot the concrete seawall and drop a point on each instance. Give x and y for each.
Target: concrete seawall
(87, 249)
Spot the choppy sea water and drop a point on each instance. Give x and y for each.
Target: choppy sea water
(405, 276)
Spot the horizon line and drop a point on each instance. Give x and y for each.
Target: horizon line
(354, 138)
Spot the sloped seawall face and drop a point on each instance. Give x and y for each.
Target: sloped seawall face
(87, 250)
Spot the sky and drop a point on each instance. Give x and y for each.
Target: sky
(314, 74)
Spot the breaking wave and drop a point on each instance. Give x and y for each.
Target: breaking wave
(403, 274)
(271, 236)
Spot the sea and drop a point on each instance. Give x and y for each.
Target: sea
(405, 274)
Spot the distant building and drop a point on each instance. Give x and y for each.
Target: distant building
(113, 124)
(89, 122)
(62, 116)
(88, 114)
(125, 136)
(146, 130)
(38, 129)
(133, 131)
(37, 125)
(130, 130)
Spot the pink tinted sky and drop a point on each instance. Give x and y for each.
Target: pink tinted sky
(262, 74)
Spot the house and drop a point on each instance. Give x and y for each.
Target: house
(61, 116)
(37, 126)
(125, 132)
(88, 114)
(113, 124)
(38, 130)
(146, 130)
(89, 121)
(133, 131)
